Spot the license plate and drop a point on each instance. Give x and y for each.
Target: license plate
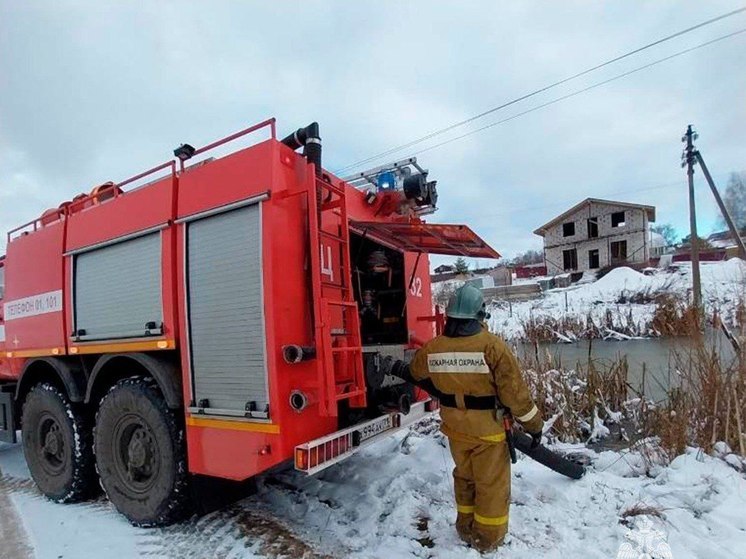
(372, 429)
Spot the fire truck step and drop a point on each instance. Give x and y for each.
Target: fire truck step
(331, 205)
(353, 394)
(332, 236)
(334, 285)
(346, 349)
(336, 303)
(331, 188)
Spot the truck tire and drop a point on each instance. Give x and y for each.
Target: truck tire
(57, 445)
(141, 454)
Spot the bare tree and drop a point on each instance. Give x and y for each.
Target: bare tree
(528, 257)
(703, 244)
(667, 231)
(735, 199)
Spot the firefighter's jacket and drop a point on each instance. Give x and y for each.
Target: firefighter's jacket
(477, 365)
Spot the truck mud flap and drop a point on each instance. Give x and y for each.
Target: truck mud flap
(7, 423)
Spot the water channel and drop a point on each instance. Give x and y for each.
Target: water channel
(653, 360)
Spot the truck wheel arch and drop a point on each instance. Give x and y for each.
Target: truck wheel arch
(111, 368)
(64, 374)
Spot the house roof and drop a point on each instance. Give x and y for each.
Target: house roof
(722, 239)
(543, 229)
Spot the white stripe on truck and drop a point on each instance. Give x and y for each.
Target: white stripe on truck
(34, 305)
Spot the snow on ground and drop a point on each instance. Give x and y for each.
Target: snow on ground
(723, 287)
(394, 499)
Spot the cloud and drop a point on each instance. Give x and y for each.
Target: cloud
(93, 92)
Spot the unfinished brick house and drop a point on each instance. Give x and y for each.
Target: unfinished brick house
(596, 233)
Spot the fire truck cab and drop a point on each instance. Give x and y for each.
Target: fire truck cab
(217, 317)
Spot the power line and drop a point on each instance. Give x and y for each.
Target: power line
(541, 90)
(681, 182)
(585, 89)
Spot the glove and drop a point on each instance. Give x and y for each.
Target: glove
(535, 439)
(400, 370)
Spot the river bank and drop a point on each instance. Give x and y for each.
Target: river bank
(651, 362)
(625, 304)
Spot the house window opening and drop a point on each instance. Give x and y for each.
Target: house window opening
(570, 259)
(618, 251)
(593, 260)
(593, 228)
(617, 219)
(568, 229)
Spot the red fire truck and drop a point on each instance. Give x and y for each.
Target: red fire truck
(216, 317)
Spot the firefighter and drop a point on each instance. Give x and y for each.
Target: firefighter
(479, 380)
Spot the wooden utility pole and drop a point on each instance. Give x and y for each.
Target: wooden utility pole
(723, 210)
(689, 160)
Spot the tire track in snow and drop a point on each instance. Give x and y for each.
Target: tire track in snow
(227, 534)
(11, 484)
(14, 543)
(221, 535)
(27, 486)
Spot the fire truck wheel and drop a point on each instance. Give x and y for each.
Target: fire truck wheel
(141, 454)
(57, 446)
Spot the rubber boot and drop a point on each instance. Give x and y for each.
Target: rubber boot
(485, 541)
(464, 523)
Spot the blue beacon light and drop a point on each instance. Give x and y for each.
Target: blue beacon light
(386, 181)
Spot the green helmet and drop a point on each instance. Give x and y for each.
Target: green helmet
(467, 302)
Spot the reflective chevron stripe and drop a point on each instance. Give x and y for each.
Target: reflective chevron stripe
(528, 416)
(491, 520)
(497, 438)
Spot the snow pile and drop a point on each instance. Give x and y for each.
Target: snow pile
(619, 279)
(394, 499)
(623, 301)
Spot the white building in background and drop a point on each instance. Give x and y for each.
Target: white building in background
(658, 245)
(597, 233)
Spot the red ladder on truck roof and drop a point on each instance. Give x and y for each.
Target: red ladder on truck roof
(337, 323)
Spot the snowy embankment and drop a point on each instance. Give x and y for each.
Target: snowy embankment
(394, 499)
(623, 300)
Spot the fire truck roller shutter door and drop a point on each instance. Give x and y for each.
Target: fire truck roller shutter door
(226, 317)
(118, 289)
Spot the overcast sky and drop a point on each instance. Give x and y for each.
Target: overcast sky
(96, 91)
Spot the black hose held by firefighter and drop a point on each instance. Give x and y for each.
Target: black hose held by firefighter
(477, 379)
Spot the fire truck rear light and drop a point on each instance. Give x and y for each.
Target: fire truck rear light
(301, 458)
(318, 454)
(310, 457)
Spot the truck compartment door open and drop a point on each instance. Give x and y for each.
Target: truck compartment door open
(432, 238)
(385, 291)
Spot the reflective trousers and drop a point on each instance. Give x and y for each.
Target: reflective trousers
(481, 481)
